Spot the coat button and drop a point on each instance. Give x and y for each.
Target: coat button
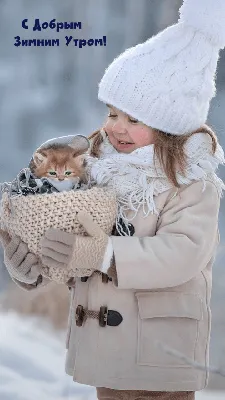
(79, 316)
(129, 230)
(71, 283)
(114, 318)
(109, 317)
(105, 278)
(84, 278)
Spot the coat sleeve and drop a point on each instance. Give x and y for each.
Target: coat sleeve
(183, 245)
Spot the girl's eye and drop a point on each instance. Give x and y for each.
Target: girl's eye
(134, 121)
(68, 173)
(53, 173)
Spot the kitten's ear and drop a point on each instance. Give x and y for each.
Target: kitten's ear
(39, 158)
(80, 160)
(80, 143)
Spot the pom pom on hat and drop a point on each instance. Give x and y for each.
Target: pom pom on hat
(206, 16)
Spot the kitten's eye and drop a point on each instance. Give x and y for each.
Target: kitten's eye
(68, 173)
(52, 173)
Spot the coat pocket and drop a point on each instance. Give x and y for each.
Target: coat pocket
(167, 320)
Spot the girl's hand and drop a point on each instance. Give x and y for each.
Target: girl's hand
(20, 263)
(60, 248)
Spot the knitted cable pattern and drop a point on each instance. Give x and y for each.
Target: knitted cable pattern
(168, 81)
(31, 216)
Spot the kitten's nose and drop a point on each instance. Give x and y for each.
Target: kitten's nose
(61, 178)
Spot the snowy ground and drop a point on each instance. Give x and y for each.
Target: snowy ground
(32, 364)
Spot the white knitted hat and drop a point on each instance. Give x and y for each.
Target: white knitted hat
(168, 81)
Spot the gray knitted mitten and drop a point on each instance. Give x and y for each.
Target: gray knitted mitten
(78, 255)
(20, 263)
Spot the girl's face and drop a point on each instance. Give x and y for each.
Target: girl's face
(125, 133)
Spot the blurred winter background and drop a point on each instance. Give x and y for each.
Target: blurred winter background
(52, 91)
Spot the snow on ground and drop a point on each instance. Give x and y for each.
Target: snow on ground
(32, 362)
(32, 359)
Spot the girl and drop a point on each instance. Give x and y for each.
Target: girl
(140, 323)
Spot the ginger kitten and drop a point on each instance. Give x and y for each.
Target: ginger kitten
(59, 162)
(62, 164)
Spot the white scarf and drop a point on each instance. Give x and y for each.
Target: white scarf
(136, 181)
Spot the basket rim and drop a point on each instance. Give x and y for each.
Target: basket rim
(69, 193)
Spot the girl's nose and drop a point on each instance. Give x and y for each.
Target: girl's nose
(119, 127)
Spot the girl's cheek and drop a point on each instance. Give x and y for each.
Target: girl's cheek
(141, 136)
(108, 127)
(108, 124)
(136, 134)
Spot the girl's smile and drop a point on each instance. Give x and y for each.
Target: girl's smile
(125, 133)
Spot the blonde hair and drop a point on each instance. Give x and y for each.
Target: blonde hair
(169, 149)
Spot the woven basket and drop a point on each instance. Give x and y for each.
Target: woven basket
(31, 216)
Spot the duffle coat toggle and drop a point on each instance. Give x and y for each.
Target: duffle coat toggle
(105, 279)
(104, 316)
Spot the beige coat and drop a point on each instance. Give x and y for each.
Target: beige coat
(163, 294)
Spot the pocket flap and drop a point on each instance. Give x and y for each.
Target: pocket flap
(169, 304)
